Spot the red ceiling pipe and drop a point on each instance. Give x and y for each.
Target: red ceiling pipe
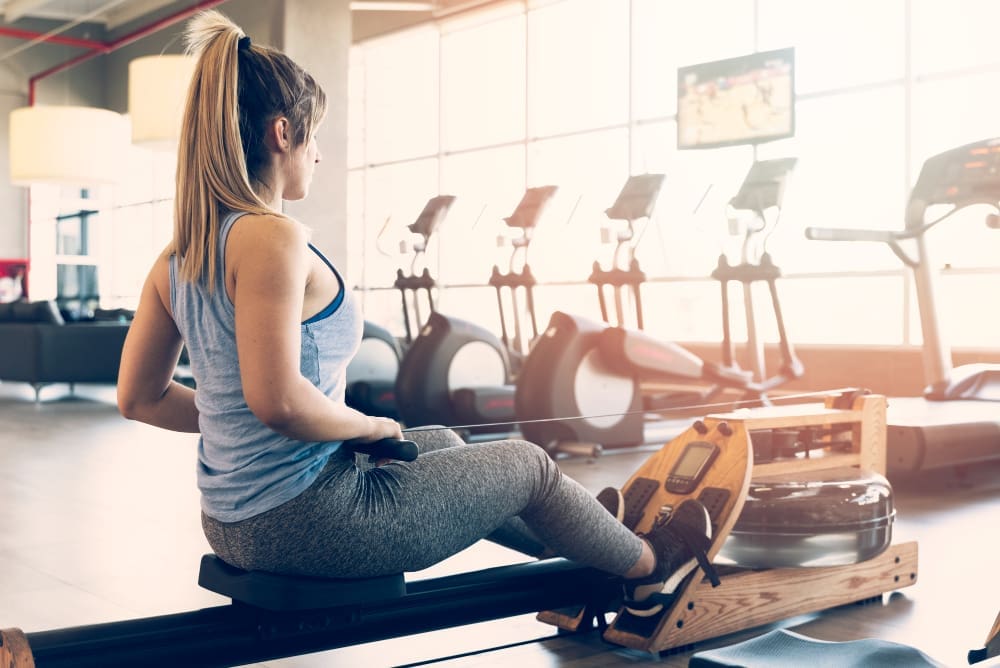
(52, 39)
(101, 48)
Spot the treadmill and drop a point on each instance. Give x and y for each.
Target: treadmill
(957, 421)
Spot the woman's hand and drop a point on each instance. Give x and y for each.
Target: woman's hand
(382, 427)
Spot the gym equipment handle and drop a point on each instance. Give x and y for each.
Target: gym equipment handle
(386, 448)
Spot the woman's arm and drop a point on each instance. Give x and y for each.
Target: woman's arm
(268, 262)
(146, 389)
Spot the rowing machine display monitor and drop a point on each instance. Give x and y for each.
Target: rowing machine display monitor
(691, 467)
(764, 185)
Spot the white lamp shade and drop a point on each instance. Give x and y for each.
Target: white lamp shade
(74, 146)
(157, 90)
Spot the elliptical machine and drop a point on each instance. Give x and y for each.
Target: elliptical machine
(372, 372)
(481, 405)
(594, 374)
(459, 373)
(763, 189)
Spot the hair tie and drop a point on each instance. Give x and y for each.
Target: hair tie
(244, 43)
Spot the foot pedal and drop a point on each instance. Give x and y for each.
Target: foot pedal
(636, 497)
(639, 626)
(647, 626)
(714, 499)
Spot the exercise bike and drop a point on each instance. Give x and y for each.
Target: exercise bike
(457, 372)
(598, 372)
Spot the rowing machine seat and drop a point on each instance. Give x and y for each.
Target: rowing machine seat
(293, 592)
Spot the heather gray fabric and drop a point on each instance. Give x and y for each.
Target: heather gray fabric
(359, 521)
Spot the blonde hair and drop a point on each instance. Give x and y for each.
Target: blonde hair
(237, 90)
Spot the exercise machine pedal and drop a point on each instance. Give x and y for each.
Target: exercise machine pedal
(637, 495)
(714, 499)
(714, 455)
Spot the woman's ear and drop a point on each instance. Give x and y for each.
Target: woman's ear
(279, 135)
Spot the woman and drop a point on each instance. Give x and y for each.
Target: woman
(270, 326)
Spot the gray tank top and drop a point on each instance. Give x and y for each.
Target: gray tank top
(245, 468)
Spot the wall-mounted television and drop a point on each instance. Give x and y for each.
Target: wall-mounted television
(744, 100)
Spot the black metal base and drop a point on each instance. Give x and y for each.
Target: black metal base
(238, 634)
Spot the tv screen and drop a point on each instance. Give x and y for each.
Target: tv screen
(745, 100)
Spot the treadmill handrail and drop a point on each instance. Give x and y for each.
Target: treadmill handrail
(891, 236)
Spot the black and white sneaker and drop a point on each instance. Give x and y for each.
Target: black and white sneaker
(681, 544)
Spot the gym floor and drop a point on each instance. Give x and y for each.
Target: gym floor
(99, 522)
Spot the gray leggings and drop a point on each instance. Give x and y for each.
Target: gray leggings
(360, 521)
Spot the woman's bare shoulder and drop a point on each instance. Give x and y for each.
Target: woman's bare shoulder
(266, 238)
(264, 227)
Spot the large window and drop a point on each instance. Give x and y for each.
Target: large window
(93, 248)
(582, 93)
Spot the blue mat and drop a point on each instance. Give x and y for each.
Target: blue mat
(787, 649)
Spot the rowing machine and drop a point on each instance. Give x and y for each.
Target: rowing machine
(272, 616)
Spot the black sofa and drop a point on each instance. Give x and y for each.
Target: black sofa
(38, 346)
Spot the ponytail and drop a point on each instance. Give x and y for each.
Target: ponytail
(237, 90)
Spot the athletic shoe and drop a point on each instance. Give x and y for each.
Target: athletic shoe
(680, 543)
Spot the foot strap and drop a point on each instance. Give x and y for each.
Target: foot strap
(699, 545)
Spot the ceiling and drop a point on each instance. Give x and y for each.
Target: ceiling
(110, 13)
(114, 13)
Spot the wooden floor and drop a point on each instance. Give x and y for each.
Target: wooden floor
(99, 522)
